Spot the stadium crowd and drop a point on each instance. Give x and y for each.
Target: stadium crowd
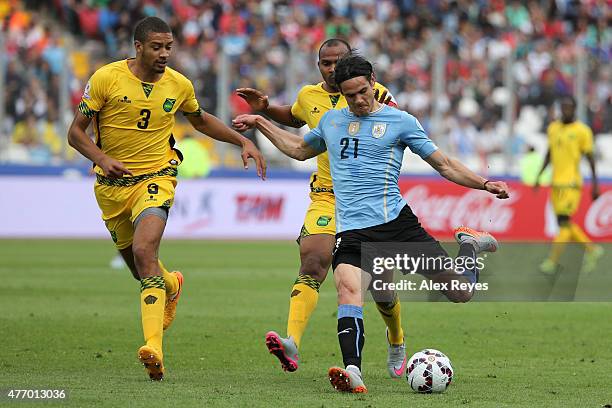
(272, 44)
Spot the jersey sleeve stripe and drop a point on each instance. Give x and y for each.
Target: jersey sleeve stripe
(86, 110)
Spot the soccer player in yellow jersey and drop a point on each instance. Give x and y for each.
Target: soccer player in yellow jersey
(569, 140)
(317, 237)
(132, 104)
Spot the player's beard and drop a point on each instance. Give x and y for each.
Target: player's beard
(334, 88)
(568, 119)
(159, 68)
(331, 83)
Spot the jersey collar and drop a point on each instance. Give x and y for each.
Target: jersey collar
(351, 114)
(127, 67)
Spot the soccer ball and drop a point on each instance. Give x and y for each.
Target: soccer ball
(429, 371)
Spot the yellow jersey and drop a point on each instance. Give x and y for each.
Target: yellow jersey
(567, 144)
(311, 103)
(132, 119)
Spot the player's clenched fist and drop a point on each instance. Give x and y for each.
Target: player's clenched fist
(499, 188)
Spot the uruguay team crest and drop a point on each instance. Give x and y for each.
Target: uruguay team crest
(379, 129)
(169, 104)
(353, 128)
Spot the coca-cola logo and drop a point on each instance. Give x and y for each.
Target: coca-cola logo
(598, 221)
(474, 208)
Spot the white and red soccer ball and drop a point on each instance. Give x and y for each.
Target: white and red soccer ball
(429, 371)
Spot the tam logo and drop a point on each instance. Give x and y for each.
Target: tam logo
(258, 207)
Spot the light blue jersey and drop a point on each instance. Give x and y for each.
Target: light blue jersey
(365, 157)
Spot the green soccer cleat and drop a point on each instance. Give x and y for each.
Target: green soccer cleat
(548, 267)
(590, 259)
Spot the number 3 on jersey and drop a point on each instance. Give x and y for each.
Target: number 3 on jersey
(144, 120)
(345, 142)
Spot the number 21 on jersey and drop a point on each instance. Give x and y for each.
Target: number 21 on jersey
(346, 142)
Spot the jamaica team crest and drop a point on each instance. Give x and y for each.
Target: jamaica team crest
(323, 221)
(169, 104)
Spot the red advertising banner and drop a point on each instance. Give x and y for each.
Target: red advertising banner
(526, 215)
(242, 209)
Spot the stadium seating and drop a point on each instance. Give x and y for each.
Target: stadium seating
(398, 36)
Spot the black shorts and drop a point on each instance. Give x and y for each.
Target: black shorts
(404, 229)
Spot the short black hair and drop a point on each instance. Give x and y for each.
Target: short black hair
(150, 24)
(569, 98)
(351, 66)
(332, 42)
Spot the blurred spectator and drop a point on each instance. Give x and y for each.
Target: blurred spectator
(489, 141)
(530, 166)
(272, 45)
(27, 142)
(463, 136)
(52, 135)
(196, 160)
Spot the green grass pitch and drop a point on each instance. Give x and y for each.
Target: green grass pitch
(68, 321)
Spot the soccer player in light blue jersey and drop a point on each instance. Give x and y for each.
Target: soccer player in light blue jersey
(366, 143)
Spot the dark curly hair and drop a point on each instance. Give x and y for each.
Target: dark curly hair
(148, 25)
(351, 66)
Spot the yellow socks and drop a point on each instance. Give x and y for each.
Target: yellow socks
(304, 298)
(578, 235)
(170, 280)
(152, 303)
(564, 236)
(391, 314)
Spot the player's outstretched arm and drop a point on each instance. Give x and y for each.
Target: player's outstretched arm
(259, 102)
(78, 139)
(544, 165)
(211, 126)
(455, 171)
(292, 145)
